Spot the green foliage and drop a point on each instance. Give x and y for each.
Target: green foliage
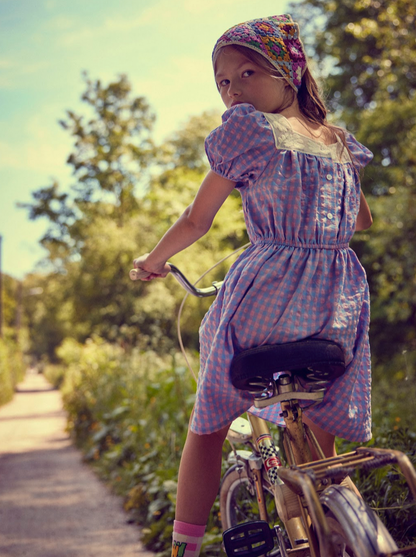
(367, 45)
(111, 152)
(365, 52)
(394, 415)
(10, 300)
(129, 411)
(127, 195)
(6, 379)
(12, 367)
(48, 313)
(385, 489)
(129, 414)
(185, 148)
(394, 390)
(54, 374)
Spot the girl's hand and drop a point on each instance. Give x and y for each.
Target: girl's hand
(154, 271)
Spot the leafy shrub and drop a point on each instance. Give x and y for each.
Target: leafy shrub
(54, 374)
(394, 416)
(129, 414)
(12, 368)
(385, 489)
(6, 382)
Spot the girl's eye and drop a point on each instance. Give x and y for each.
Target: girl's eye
(223, 83)
(248, 73)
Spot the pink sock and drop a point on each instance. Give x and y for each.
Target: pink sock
(187, 539)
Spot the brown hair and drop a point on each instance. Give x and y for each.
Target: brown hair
(310, 101)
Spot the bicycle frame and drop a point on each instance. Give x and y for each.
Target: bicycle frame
(297, 527)
(272, 464)
(297, 496)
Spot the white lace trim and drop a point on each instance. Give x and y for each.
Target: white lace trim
(286, 138)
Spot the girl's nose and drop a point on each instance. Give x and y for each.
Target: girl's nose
(234, 90)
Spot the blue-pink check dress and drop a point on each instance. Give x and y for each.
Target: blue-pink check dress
(298, 279)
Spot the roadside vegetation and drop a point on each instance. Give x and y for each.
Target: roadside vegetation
(13, 339)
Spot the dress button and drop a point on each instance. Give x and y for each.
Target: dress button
(330, 216)
(329, 176)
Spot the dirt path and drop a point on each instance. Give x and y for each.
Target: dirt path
(51, 504)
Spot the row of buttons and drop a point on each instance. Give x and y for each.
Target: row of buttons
(330, 216)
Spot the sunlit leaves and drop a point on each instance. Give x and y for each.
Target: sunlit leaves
(126, 193)
(371, 84)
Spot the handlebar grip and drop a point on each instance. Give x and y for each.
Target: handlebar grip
(137, 274)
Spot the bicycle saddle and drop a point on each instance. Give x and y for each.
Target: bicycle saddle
(311, 359)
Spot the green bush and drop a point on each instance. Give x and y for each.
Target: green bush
(385, 489)
(394, 418)
(128, 411)
(54, 374)
(129, 414)
(12, 368)
(6, 380)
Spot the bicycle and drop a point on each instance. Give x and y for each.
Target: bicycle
(320, 512)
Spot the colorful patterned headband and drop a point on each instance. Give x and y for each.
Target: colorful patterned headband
(277, 39)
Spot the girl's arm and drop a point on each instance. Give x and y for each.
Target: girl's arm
(195, 221)
(364, 218)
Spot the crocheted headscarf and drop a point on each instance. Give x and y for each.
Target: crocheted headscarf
(277, 39)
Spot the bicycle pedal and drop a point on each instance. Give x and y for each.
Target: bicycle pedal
(250, 539)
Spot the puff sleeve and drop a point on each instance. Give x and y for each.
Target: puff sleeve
(242, 146)
(361, 155)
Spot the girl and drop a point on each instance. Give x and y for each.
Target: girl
(299, 181)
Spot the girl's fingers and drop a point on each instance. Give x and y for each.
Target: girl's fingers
(138, 274)
(141, 274)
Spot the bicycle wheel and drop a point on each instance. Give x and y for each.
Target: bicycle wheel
(356, 529)
(238, 499)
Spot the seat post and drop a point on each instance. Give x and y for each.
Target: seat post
(292, 415)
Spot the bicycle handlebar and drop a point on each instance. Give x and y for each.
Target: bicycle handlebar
(137, 274)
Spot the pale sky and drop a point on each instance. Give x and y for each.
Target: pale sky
(164, 47)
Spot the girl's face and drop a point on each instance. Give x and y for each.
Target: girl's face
(239, 80)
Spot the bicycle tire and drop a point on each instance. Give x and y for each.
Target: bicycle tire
(356, 530)
(238, 500)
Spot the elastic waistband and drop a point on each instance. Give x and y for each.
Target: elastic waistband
(303, 246)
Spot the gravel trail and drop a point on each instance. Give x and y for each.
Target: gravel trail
(51, 503)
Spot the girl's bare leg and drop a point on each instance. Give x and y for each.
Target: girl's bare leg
(199, 476)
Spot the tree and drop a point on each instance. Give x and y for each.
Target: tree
(186, 147)
(48, 313)
(116, 211)
(10, 300)
(170, 192)
(365, 52)
(112, 150)
(365, 49)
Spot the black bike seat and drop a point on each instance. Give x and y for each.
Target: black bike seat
(314, 359)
